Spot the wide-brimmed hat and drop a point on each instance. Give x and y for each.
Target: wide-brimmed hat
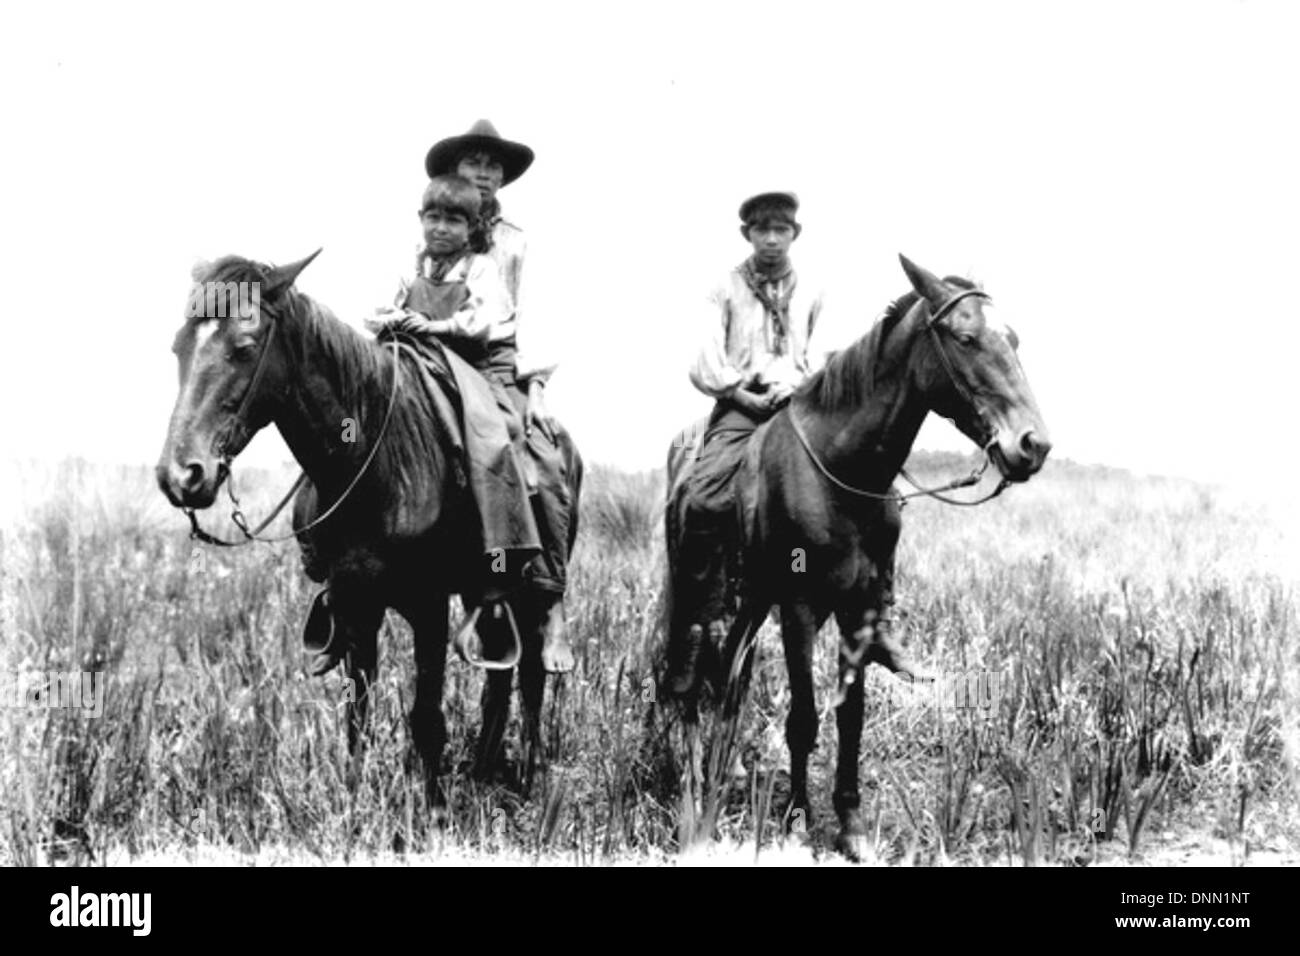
(446, 153)
(787, 200)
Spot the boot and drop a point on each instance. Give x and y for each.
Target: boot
(681, 672)
(884, 649)
(321, 637)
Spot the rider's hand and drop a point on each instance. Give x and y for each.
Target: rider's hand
(385, 317)
(778, 393)
(751, 403)
(535, 414)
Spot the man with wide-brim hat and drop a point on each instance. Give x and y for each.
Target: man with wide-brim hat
(446, 154)
(490, 161)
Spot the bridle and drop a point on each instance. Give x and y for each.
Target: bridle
(973, 478)
(239, 427)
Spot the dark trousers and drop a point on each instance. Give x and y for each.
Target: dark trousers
(710, 537)
(548, 479)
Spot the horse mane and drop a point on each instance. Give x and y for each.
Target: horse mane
(360, 376)
(848, 378)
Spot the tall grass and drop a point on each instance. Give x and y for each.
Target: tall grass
(1120, 655)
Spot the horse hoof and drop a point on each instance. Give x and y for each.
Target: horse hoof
(851, 842)
(738, 773)
(853, 847)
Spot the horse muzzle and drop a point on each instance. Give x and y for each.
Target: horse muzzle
(1020, 456)
(191, 483)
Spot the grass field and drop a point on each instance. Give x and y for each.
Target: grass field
(1121, 655)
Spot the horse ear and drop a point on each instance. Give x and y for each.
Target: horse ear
(927, 284)
(279, 279)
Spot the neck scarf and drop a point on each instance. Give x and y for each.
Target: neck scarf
(435, 268)
(488, 219)
(773, 290)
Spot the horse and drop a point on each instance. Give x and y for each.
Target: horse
(819, 522)
(383, 517)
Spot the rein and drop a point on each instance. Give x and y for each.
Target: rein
(921, 491)
(237, 514)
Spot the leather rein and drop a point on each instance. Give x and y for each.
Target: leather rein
(239, 426)
(936, 493)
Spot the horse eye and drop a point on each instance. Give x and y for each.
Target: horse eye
(1013, 338)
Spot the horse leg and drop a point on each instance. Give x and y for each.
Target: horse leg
(799, 626)
(738, 658)
(361, 625)
(532, 683)
(428, 725)
(737, 668)
(874, 635)
(489, 755)
(692, 773)
(855, 631)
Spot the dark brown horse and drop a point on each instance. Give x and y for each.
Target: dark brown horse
(402, 534)
(821, 525)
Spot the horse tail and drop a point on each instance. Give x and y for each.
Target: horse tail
(670, 541)
(681, 452)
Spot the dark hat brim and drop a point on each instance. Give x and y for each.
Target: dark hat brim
(445, 155)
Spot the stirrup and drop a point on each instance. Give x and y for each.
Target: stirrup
(321, 637)
(461, 641)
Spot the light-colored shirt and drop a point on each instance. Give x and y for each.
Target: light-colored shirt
(487, 315)
(508, 249)
(744, 347)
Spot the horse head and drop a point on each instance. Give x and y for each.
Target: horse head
(228, 373)
(973, 376)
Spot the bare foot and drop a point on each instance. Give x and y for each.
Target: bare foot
(557, 656)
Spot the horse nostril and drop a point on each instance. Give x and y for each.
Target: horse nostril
(1033, 447)
(192, 476)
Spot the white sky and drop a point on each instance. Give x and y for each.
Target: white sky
(1122, 178)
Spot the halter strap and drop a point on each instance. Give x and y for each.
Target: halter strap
(931, 326)
(971, 479)
(921, 491)
(956, 297)
(237, 515)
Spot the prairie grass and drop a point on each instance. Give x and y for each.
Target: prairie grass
(1120, 661)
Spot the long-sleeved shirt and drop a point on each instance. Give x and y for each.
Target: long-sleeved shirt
(508, 248)
(745, 345)
(487, 314)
